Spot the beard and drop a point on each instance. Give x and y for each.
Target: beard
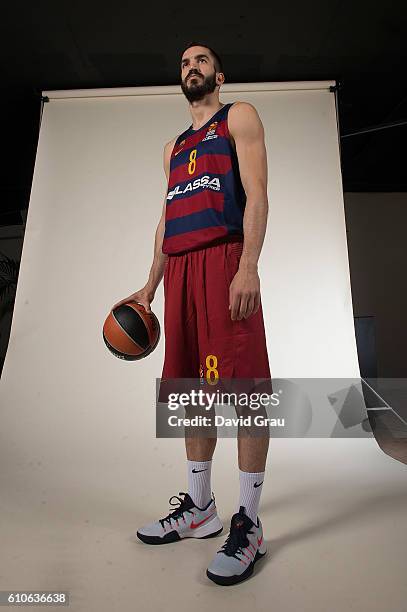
(197, 88)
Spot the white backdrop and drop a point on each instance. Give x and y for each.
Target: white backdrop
(80, 465)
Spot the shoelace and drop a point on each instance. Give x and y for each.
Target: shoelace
(178, 512)
(235, 542)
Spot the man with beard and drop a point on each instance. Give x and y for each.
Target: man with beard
(207, 247)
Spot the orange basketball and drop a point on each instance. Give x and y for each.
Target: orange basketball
(130, 332)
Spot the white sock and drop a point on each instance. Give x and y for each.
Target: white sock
(251, 485)
(199, 482)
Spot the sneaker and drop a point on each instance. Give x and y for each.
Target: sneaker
(186, 521)
(244, 545)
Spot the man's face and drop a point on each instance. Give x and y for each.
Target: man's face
(198, 75)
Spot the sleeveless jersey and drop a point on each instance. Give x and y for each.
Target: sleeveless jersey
(205, 196)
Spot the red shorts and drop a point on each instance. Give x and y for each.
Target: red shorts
(201, 340)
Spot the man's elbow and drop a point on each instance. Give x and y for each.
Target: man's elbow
(258, 199)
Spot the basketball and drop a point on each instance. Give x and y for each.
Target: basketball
(130, 332)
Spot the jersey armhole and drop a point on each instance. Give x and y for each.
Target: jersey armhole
(173, 147)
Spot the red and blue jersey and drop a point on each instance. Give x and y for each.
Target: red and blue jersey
(205, 196)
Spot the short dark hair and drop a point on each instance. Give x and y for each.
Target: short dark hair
(216, 59)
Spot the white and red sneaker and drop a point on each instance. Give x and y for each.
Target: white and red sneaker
(186, 521)
(244, 546)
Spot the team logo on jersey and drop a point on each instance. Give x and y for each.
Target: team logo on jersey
(204, 181)
(180, 146)
(210, 134)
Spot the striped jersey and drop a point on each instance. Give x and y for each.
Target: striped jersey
(205, 196)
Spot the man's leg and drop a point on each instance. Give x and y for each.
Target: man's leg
(181, 363)
(252, 453)
(234, 350)
(199, 448)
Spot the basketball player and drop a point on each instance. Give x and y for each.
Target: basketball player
(207, 246)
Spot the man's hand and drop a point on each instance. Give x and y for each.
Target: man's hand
(144, 297)
(244, 293)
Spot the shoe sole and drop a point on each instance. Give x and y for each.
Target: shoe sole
(229, 580)
(173, 536)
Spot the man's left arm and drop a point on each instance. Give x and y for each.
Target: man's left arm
(247, 130)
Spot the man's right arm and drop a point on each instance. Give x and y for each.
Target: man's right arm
(145, 295)
(157, 267)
